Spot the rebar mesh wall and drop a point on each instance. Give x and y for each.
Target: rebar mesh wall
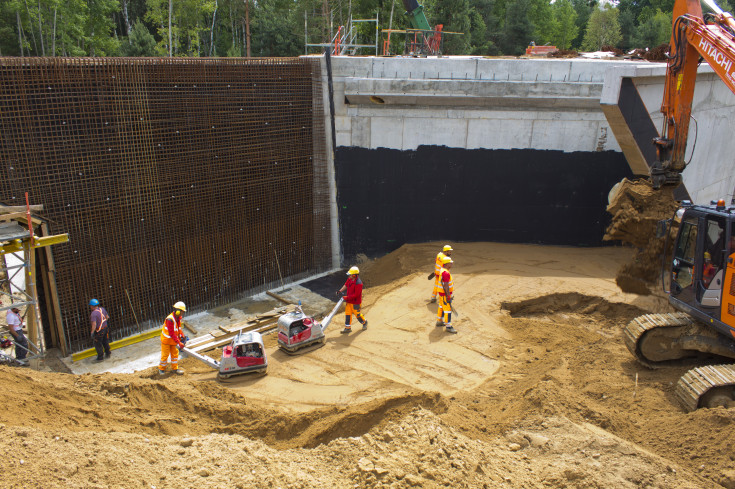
(176, 179)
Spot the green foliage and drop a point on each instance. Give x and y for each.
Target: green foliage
(654, 31)
(518, 29)
(584, 9)
(140, 43)
(602, 29)
(455, 16)
(217, 27)
(566, 26)
(545, 24)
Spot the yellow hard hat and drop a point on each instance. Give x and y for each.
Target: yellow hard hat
(353, 271)
(180, 306)
(447, 248)
(707, 256)
(446, 260)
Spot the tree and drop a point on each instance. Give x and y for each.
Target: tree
(602, 29)
(566, 27)
(654, 31)
(518, 29)
(454, 15)
(584, 9)
(141, 42)
(544, 23)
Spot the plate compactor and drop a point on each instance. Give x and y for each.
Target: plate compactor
(245, 354)
(296, 330)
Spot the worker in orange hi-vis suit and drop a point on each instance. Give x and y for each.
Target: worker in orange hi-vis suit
(446, 295)
(447, 251)
(172, 339)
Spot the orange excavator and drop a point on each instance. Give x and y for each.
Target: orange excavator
(701, 271)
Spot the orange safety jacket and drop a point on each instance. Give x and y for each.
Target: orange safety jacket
(171, 332)
(438, 263)
(446, 277)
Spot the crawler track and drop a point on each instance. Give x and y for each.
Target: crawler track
(707, 386)
(637, 330)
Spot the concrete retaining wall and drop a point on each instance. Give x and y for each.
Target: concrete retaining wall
(526, 112)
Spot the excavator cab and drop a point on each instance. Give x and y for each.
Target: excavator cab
(702, 253)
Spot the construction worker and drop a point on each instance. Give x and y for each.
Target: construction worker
(352, 292)
(100, 332)
(15, 325)
(172, 339)
(709, 269)
(446, 251)
(446, 295)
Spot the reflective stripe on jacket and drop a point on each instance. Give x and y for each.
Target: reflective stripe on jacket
(450, 282)
(171, 331)
(438, 263)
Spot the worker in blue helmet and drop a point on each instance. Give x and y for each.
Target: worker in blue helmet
(100, 330)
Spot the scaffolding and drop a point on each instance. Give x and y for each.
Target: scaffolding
(346, 40)
(18, 282)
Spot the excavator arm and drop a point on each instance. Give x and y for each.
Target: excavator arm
(692, 35)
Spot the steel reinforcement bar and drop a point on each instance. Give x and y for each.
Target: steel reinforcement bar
(177, 179)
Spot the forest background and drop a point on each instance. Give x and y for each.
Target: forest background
(282, 27)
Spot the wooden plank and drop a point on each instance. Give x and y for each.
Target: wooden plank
(20, 208)
(14, 215)
(189, 327)
(278, 297)
(52, 299)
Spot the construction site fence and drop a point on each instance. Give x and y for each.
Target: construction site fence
(177, 179)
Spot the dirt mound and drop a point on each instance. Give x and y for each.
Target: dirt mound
(572, 302)
(636, 208)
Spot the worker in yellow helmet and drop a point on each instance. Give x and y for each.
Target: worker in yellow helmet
(446, 295)
(352, 293)
(172, 339)
(446, 251)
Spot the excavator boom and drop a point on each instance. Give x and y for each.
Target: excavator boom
(692, 35)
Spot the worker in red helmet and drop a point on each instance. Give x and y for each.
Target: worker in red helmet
(446, 251)
(172, 339)
(352, 293)
(446, 295)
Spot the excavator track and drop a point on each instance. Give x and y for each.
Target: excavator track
(637, 330)
(709, 386)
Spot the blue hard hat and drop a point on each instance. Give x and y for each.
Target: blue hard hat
(94, 302)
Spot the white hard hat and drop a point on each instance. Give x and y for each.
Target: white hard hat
(353, 271)
(180, 306)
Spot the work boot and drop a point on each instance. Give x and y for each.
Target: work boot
(364, 325)
(439, 324)
(346, 331)
(98, 360)
(451, 330)
(178, 372)
(107, 355)
(161, 372)
(433, 298)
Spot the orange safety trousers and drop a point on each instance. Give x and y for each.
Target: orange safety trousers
(167, 350)
(444, 314)
(351, 309)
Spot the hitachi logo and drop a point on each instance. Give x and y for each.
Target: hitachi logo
(715, 54)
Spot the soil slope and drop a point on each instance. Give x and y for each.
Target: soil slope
(537, 390)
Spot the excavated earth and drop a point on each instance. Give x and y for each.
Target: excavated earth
(537, 390)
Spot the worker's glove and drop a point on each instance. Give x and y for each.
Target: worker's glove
(93, 335)
(338, 293)
(449, 301)
(180, 346)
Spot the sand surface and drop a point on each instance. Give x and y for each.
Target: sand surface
(537, 390)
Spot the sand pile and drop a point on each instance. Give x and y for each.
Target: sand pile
(537, 390)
